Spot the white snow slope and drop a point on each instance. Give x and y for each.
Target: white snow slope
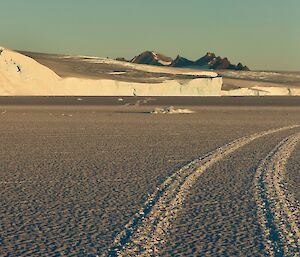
(21, 75)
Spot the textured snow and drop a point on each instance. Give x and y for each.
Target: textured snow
(262, 75)
(262, 91)
(117, 73)
(171, 110)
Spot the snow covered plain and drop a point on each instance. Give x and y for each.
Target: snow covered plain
(76, 176)
(260, 83)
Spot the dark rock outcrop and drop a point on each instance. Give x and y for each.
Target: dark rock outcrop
(181, 62)
(121, 59)
(207, 59)
(152, 58)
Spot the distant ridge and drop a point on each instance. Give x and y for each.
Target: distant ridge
(211, 61)
(208, 61)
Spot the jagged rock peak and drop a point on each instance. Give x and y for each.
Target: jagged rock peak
(152, 58)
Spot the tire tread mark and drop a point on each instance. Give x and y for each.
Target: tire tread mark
(146, 233)
(278, 211)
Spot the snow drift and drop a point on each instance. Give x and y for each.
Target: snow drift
(171, 110)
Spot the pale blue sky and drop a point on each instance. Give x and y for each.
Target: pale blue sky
(264, 34)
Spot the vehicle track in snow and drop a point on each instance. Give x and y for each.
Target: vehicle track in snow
(146, 233)
(278, 211)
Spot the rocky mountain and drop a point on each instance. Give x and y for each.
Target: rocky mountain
(152, 58)
(208, 61)
(181, 62)
(211, 61)
(240, 66)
